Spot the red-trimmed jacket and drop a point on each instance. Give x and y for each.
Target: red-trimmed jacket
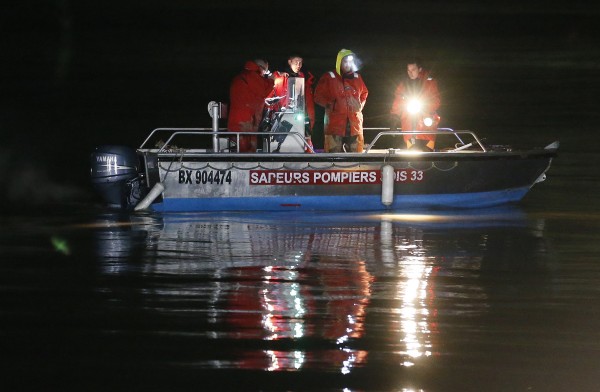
(425, 89)
(247, 95)
(343, 99)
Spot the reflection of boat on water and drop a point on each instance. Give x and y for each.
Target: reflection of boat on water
(269, 238)
(310, 290)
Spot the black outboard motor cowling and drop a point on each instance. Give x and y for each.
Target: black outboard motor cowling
(116, 175)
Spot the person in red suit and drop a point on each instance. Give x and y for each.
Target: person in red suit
(343, 93)
(247, 95)
(416, 101)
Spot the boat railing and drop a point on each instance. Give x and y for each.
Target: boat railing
(474, 141)
(465, 139)
(222, 134)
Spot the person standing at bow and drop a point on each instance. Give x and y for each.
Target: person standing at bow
(247, 95)
(343, 93)
(416, 101)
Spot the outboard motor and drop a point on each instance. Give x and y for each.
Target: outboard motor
(116, 176)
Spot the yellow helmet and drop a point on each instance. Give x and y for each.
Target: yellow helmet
(338, 62)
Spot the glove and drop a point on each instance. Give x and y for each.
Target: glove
(354, 104)
(309, 142)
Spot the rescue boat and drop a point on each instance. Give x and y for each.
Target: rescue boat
(201, 169)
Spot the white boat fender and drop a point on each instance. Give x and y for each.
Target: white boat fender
(156, 191)
(387, 232)
(387, 185)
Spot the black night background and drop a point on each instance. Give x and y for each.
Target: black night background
(91, 299)
(76, 74)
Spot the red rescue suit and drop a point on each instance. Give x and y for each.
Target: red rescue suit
(343, 99)
(247, 95)
(424, 89)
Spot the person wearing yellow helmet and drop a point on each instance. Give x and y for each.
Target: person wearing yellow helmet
(343, 94)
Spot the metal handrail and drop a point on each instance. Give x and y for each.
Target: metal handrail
(192, 130)
(385, 131)
(221, 132)
(437, 132)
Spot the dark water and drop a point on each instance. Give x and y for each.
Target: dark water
(500, 299)
(503, 299)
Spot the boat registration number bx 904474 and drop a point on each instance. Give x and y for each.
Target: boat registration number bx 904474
(218, 177)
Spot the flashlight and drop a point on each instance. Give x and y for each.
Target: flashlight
(414, 106)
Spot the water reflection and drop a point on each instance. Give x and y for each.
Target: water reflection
(336, 292)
